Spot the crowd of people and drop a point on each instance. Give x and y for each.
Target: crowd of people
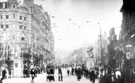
(80, 72)
(109, 75)
(102, 74)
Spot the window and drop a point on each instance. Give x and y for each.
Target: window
(2, 26)
(6, 5)
(22, 38)
(25, 27)
(13, 16)
(16, 65)
(20, 17)
(14, 6)
(25, 18)
(7, 16)
(20, 26)
(1, 16)
(7, 26)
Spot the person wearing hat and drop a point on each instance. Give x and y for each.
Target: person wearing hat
(117, 76)
(132, 75)
(79, 74)
(60, 76)
(101, 75)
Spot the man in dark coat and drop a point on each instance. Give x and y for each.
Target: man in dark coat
(32, 71)
(93, 76)
(132, 75)
(3, 74)
(108, 77)
(60, 77)
(79, 74)
(72, 71)
(68, 72)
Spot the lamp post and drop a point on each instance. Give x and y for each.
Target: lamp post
(100, 46)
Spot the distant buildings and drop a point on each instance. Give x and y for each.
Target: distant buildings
(25, 32)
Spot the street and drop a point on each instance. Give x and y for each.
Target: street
(75, 41)
(41, 78)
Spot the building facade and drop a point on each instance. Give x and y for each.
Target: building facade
(128, 22)
(25, 34)
(127, 35)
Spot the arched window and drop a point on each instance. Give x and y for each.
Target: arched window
(20, 17)
(1, 5)
(6, 5)
(14, 6)
(7, 16)
(20, 26)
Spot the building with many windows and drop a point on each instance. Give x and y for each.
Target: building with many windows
(25, 34)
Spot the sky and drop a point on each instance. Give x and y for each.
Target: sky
(78, 22)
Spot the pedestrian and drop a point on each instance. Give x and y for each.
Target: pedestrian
(132, 75)
(72, 71)
(93, 76)
(60, 77)
(79, 74)
(101, 75)
(32, 73)
(117, 77)
(9, 73)
(3, 74)
(108, 76)
(68, 72)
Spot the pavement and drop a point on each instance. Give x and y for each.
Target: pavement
(41, 78)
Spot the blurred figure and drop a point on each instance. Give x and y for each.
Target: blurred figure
(101, 75)
(68, 72)
(79, 73)
(60, 77)
(72, 71)
(132, 75)
(3, 74)
(93, 76)
(117, 77)
(32, 73)
(108, 76)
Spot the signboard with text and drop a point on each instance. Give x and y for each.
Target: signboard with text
(90, 63)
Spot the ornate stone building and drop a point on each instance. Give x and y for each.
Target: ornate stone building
(25, 34)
